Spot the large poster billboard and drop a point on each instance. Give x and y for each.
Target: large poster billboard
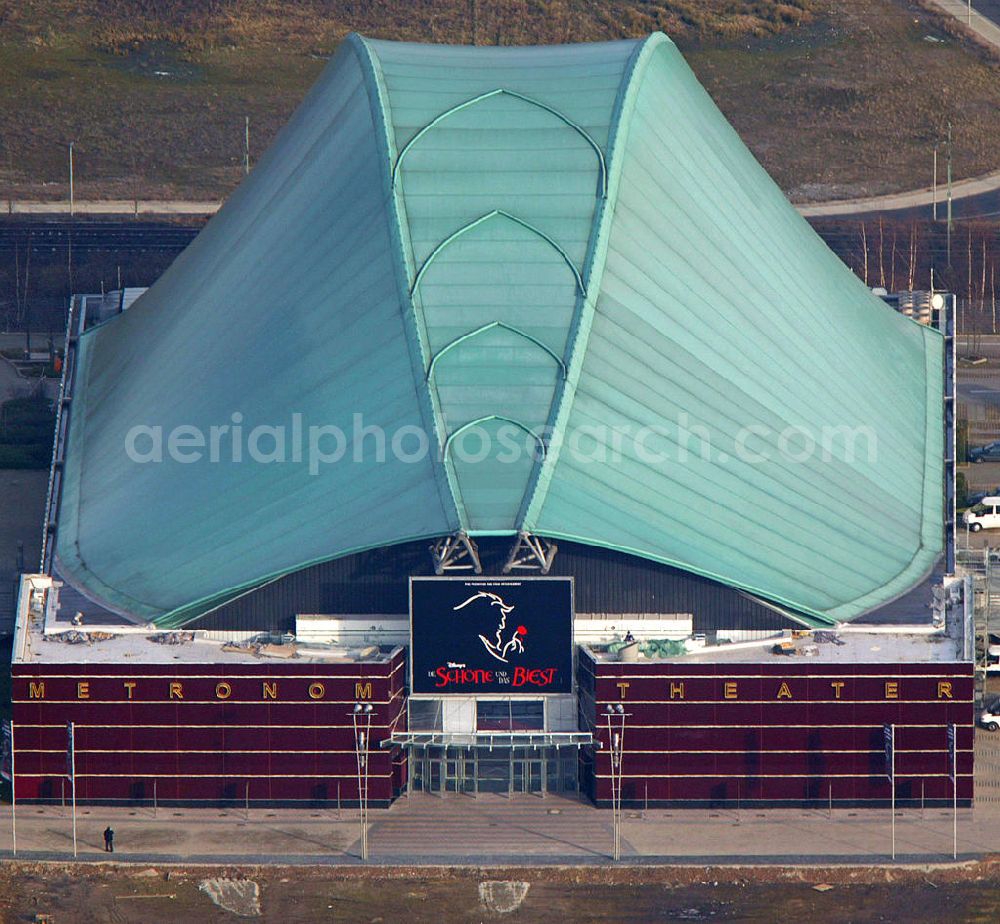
(491, 635)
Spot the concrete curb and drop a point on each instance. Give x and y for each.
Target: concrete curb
(981, 25)
(401, 864)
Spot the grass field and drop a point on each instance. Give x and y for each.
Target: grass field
(836, 97)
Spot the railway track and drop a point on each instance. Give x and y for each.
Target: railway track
(58, 236)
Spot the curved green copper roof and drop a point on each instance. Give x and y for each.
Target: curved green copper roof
(564, 250)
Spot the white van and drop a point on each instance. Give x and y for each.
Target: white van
(985, 515)
(990, 717)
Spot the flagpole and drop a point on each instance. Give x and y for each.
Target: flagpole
(953, 768)
(72, 779)
(889, 742)
(893, 792)
(13, 791)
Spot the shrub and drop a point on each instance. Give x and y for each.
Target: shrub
(961, 491)
(35, 456)
(26, 430)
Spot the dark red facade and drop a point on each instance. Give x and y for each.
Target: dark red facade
(273, 733)
(782, 733)
(788, 732)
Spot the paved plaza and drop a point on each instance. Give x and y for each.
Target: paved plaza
(458, 830)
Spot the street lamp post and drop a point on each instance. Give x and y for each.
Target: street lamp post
(361, 716)
(71, 203)
(934, 186)
(616, 716)
(949, 225)
(71, 772)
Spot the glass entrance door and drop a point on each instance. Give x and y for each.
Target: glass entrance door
(428, 769)
(434, 776)
(527, 775)
(504, 771)
(493, 771)
(459, 768)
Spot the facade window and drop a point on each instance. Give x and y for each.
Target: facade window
(425, 715)
(510, 715)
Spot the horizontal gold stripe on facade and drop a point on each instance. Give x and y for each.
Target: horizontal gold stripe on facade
(602, 727)
(91, 701)
(778, 678)
(79, 725)
(785, 701)
(210, 776)
(600, 753)
(222, 752)
(743, 777)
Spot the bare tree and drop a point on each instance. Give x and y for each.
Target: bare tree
(982, 286)
(17, 281)
(864, 249)
(993, 293)
(881, 254)
(892, 262)
(22, 314)
(911, 276)
(968, 273)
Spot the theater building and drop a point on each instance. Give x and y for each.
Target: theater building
(507, 431)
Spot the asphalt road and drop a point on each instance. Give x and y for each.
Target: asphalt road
(982, 477)
(989, 8)
(965, 206)
(111, 207)
(983, 20)
(985, 345)
(969, 208)
(981, 392)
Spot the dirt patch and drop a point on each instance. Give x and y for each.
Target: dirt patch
(240, 896)
(623, 895)
(502, 897)
(157, 61)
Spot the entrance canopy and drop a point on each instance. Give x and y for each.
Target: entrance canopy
(489, 740)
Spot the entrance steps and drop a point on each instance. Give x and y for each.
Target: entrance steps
(525, 824)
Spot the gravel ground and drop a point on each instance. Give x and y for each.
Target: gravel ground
(77, 894)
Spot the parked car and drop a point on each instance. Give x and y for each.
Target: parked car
(977, 498)
(985, 515)
(989, 718)
(988, 453)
